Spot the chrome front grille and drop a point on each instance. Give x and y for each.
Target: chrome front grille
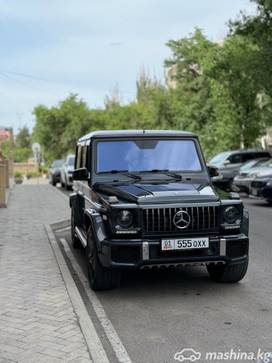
(160, 220)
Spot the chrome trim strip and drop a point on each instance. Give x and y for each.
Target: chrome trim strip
(95, 205)
(180, 205)
(145, 251)
(223, 247)
(197, 211)
(81, 237)
(202, 263)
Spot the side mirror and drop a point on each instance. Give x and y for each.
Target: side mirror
(81, 174)
(214, 173)
(226, 162)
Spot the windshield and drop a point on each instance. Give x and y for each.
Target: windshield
(252, 163)
(219, 158)
(71, 161)
(147, 155)
(267, 164)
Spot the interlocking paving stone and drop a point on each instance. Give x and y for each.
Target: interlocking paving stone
(37, 320)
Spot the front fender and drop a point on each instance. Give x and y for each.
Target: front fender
(94, 221)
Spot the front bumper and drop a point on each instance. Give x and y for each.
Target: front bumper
(264, 192)
(141, 253)
(242, 184)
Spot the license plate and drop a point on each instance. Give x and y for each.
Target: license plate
(184, 244)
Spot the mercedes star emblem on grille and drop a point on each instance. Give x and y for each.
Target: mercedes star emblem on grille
(182, 219)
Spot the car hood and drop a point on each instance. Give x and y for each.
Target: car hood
(145, 193)
(260, 172)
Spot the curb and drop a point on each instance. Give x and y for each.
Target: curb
(93, 341)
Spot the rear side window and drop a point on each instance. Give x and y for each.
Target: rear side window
(248, 156)
(261, 155)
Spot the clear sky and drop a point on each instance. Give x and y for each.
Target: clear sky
(50, 48)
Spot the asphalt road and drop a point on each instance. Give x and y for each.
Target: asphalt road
(158, 313)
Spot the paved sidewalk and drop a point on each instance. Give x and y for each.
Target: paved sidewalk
(37, 320)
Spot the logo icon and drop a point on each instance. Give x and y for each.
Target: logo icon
(182, 219)
(187, 354)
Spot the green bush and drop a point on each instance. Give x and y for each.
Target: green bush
(18, 174)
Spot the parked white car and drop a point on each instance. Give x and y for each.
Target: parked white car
(66, 173)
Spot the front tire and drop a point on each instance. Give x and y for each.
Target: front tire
(100, 278)
(228, 273)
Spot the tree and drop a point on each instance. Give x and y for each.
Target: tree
(192, 98)
(23, 138)
(232, 66)
(58, 128)
(258, 30)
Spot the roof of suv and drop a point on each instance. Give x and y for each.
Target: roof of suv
(138, 133)
(245, 151)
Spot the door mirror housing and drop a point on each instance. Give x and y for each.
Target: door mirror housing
(81, 174)
(214, 173)
(226, 162)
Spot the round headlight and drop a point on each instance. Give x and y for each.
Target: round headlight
(125, 218)
(232, 215)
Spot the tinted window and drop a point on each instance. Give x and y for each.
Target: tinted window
(261, 155)
(235, 159)
(144, 155)
(247, 157)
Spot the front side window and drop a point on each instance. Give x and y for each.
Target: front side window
(147, 155)
(235, 159)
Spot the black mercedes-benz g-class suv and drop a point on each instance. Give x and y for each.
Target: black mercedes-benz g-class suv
(145, 199)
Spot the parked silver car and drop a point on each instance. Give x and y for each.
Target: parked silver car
(242, 181)
(66, 173)
(229, 163)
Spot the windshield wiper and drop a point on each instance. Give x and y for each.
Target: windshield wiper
(124, 172)
(167, 172)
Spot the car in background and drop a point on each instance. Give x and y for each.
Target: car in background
(260, 182)
(261, 188)
(229, 163)
(242, 181)
(66, 174)
(54, 172)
